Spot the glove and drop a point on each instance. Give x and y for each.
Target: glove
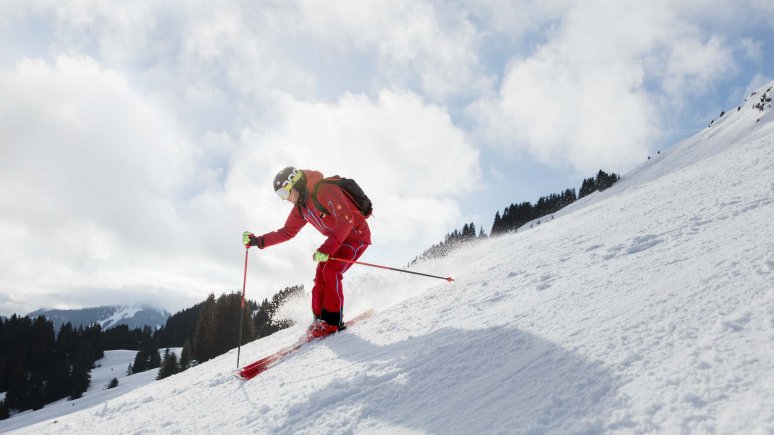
(246, 238)
(320, 257)
(249, 239)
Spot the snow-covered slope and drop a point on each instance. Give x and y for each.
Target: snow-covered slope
(645, 308)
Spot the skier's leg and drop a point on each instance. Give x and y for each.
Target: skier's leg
(318, 291)
(333, 271)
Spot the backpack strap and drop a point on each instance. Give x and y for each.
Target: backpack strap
(302, 202)
(314, 195)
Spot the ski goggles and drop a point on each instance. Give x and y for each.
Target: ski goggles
(284, 191)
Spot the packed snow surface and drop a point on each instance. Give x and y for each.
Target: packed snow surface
(647, 308)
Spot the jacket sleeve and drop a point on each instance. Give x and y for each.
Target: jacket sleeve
(340, 220)
(293, 225)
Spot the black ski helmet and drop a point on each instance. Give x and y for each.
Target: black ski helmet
(288, 178)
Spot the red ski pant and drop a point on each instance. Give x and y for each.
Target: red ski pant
(328, 292)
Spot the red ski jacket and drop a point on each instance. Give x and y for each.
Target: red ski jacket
(345, 223)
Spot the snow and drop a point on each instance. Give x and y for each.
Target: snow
(644, 308)
(120, 314)
(129, 312)
(113, 365)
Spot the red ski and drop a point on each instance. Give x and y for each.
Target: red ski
(254, 369)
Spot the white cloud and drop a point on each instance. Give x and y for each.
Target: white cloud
(693, 64)
(119, 190)
(433, 48)
(259, 47)
(90, 173)
(752, 48)
(102, 190)
(496, 174)
(79, 139)
(585, 99)
(517, 19)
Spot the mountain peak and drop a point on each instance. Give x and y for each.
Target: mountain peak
(108, 316)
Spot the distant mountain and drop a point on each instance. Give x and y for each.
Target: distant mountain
(135, 316)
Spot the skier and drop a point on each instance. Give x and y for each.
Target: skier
(347, 233)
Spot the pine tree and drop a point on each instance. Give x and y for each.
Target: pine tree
(205, 330)
(168, 365)
(5, 354)
(66, 341)
(248, 328)
(179, 327)
(470, 233)
(497, 225)
(277, 301)
(4, 412)
(226, 322)
(120, 337)
(41, 345)
(57, 385)
(185, 356)
(140, 363)
(587, 187)
(93, 336)
(113, 383)
(148, 356)
(154, 359)
(17, 395)
(602, 180)
(80, 377)
(262, 320)
(37, 388)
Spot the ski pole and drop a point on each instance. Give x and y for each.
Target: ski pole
(390, 268)
(242, 309)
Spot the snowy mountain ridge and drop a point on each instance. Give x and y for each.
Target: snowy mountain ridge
(134, 316)
(646, 308)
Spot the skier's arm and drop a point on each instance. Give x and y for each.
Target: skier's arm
(293, 225)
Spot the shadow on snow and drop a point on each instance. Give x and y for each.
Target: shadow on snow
(461, 381)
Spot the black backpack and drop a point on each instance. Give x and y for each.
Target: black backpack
(351, 189)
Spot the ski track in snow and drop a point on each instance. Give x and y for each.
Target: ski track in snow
(647, 308)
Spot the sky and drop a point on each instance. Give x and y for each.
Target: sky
(138, 141)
